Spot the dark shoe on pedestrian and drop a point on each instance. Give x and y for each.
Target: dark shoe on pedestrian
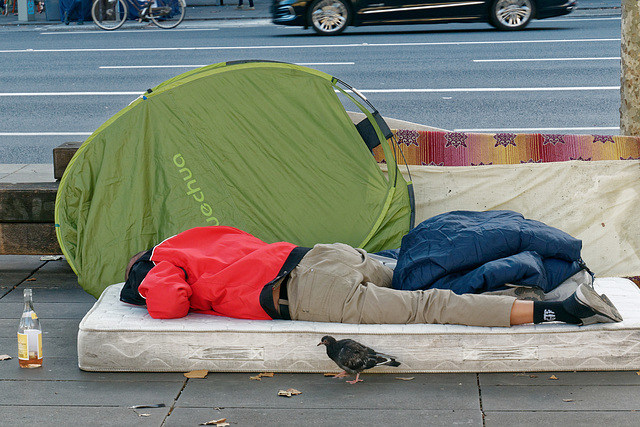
(590, 307)
(66, 18)
(80, 22)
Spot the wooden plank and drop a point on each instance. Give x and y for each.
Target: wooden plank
(28, 239)
(62, 155)
(28, 202)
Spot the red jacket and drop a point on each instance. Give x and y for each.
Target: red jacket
(214, 270)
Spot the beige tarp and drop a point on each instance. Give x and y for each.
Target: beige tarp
(593, 201)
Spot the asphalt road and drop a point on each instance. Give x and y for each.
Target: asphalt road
(561, 75)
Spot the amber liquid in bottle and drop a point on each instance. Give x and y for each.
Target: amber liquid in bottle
(31, 362)
(29, 335)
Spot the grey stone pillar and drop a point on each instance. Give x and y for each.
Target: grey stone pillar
(630, 69)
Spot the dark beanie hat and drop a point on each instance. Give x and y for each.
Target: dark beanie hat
(137, 274)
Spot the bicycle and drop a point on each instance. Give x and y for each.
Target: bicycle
(111, 14)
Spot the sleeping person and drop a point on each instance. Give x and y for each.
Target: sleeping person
(225, 271)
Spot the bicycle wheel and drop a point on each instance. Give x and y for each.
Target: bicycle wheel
(109, 14)
(168, 13)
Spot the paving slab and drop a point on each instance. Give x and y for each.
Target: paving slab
(15, 269)
(534, 379)
(58, 310)
(570, 397)
(355, 416)
(16, 173)
(318, 391)
(66, 369)
(88, 393)
(81, 416)
(565, 418)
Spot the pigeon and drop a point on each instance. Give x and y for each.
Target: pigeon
(354, 357)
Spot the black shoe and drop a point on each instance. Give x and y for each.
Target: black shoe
(590, 307)
(66, 18)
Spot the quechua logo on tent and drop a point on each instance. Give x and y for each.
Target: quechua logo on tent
(192, 188)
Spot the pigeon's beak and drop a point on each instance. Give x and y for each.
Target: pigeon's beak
(319, 344)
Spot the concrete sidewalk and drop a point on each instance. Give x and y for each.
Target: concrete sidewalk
(59, 394)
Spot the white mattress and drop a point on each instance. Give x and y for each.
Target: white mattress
(114, 336)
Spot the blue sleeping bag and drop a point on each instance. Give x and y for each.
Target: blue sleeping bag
(473, 252)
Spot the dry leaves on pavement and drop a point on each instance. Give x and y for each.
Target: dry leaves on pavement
(262, 374)
(222, 422)
(289, 392)
(199, 373)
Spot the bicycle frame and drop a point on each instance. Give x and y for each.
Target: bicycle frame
(111, 14)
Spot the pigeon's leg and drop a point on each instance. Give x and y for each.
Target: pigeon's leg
(341, 375)
(357, 380)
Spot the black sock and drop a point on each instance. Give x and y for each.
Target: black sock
(552, 311)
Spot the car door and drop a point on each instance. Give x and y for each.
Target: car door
(406, 11)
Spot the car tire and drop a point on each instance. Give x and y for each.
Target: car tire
(511, 14)
(329, 17)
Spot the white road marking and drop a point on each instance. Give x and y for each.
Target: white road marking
(308, 46)
(536, 130)
(606, 58)
(45, 133)
(493, 89)
(71, 93)
(118, 67)
(425, 90)
(577, 18)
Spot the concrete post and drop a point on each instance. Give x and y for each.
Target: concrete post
(630, 69)
(26, 10)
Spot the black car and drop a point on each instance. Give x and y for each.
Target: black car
(330, 17)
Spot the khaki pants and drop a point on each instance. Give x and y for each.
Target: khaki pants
(337, 283)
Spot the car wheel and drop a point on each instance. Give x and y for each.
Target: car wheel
(511, 14)
(329, 17)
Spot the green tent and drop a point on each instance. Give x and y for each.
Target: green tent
(266, 147)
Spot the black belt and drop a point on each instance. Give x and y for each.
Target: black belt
(267, 302)
(284, 308)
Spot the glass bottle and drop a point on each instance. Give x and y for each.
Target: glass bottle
(29, 335)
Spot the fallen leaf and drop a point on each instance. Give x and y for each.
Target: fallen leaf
(7, 357)
(405, 378)
(567, 400)
(533, 376)
(214, 422)
(154, 405)
(262, 374)
(51, 258)
(220, 422)
(330, 374)
(553, 377)
(144, 415)
(199, 373)
(289, 392)
(32, 279)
